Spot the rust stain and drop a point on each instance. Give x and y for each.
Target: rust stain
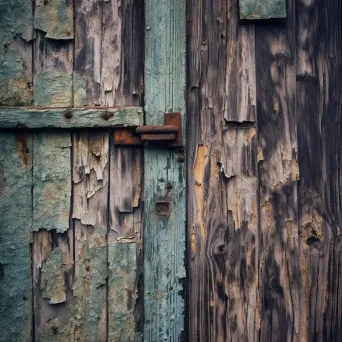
(201, 162)
(22, 148)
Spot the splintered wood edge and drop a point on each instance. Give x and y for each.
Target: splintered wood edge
(70, 117)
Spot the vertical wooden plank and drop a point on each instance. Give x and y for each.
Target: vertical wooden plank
(222, 175)
(90, 211)
(15, 230)
(15, 53)
(164, 235)
(53, 239)
(319, 90)
(122, 52)
(279, 309)
(91, 179)
(124, 244)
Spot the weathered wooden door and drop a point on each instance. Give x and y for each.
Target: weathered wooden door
(71, 202)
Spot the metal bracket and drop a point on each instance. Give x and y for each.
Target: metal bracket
(169, 135)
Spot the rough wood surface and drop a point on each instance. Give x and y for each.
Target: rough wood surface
(51, 181)
(124, 243)
(164, 176)
(70, 118)
(319, 106)
(122, 52)
(222, 175)
(262, 9)
(279, 280)
(90, 213)
(15, 52)
(15, 231)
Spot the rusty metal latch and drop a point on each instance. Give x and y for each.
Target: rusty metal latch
(169, 135)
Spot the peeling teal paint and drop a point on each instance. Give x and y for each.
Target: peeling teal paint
(262, 9)
(15, 31)
(55, 17)
(15, 232)
(53, 88)
(52, 283)
(164, 236)
(51, 181)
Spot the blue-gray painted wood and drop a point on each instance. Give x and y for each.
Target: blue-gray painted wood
(15, 237)
(164, 236)
(70, 117)
(262, 9)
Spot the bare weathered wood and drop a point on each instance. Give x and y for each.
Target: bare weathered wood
(319, 106)
(52, 286)
(164, 176)
(70, 117)
(262, 9)
(222, 175)
(122, 52)
(90, 211)
(279, 309)
(15, 52)
(124, 243)
(15, 231)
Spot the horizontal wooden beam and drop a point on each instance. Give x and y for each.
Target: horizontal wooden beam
(70, 117)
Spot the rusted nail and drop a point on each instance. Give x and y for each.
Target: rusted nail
(68, 114)
(169, 187)
(180, 159)
(106, 115)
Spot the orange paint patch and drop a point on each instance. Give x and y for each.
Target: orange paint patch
(201, 161)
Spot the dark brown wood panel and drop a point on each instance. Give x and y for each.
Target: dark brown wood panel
(319, 107)
(222, 174)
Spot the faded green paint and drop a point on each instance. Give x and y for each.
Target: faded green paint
(15, 232)
(70, 118)
(55, 17)
(122, 297)
(15, 77)
(52, 282)
(51, 181)
(53, 88)
(262, 9)
(164, 236)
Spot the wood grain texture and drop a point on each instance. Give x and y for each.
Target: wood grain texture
(318, 101)
(15, 230)
(164, 176)
(90, 213)
(70, 118)
(125, 243)
(222, 175)
(122, 52)
(279, 310)
(53, 67)
(15, 52)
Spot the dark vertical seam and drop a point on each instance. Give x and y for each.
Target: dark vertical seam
(108, 231)
(33, 328)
